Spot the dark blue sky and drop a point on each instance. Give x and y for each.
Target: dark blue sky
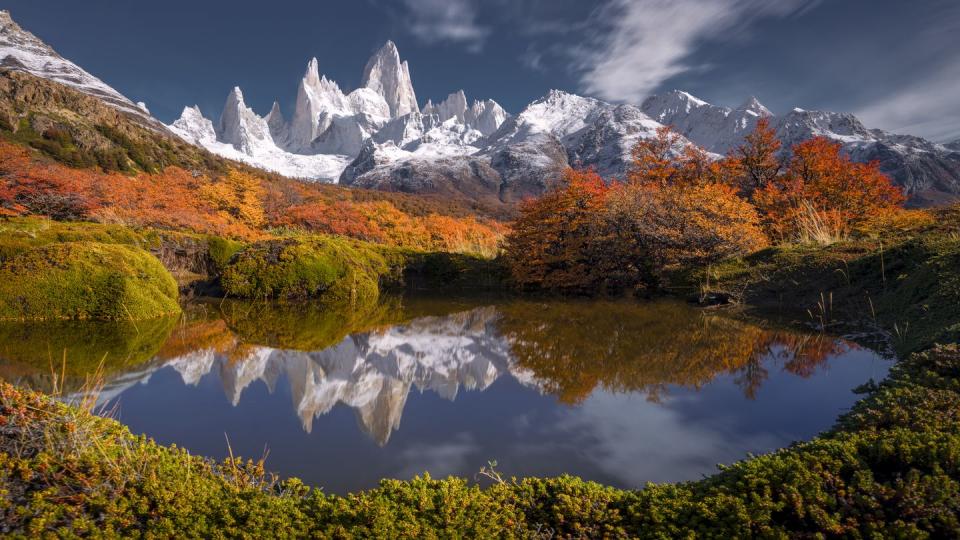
(894, 62)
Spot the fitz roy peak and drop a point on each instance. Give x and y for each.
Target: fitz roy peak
(386, 75)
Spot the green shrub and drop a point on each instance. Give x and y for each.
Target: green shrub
(330, 268)
(85, 280)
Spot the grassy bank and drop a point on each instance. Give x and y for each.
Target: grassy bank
(903, 281)
(78, 270)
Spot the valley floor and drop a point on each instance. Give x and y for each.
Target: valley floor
(890, 467)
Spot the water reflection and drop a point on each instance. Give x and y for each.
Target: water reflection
(33, 354)
(370, 359)
(572, 348)
(371, 372)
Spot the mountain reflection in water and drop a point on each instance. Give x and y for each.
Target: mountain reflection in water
(370, 359)
(371, 372)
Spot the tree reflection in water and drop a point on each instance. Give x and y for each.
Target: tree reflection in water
(574, 347)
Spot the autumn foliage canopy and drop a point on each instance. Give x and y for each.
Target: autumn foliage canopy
(678, 207)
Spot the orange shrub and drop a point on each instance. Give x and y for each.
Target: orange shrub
(822, 186)
(340, 219)
(657, 226)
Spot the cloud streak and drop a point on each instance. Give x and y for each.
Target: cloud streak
(435, 21)
(646, 42)
(929, 107)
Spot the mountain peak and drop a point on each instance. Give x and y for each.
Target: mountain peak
(235, 97)
(455, 106)
(555, 96)
(22, 51)
(193, 127)
(687, 97)
(313, 71)
(753, 105)
(389, 77)
(275, 112)
(389, 48)
(239, 125)
(191, 112)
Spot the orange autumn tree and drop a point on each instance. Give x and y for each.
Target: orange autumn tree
(554, 244)
(757, 159)
(823, 194)
(654, 159)
(656, 227)
(678, 207)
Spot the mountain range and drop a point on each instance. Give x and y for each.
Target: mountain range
(378, 136)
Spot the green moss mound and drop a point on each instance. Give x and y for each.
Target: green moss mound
(23, 234)
(86, 280)
(332, 269)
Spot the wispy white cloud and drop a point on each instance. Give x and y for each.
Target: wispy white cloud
(438, 459)
(533, 59)
(927, 106)
(434, 21)
(645, 42)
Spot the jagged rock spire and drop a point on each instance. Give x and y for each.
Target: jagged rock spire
(318, 101)
(389, 77)
(240, 126)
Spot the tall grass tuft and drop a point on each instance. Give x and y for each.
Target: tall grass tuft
(821, 227)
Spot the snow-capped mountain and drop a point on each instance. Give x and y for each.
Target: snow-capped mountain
(482, 116)
(243, 136)
(927, 171)
(329, 129)
(593, 133)
(520, 158)
(716, 129)
(21, 50)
